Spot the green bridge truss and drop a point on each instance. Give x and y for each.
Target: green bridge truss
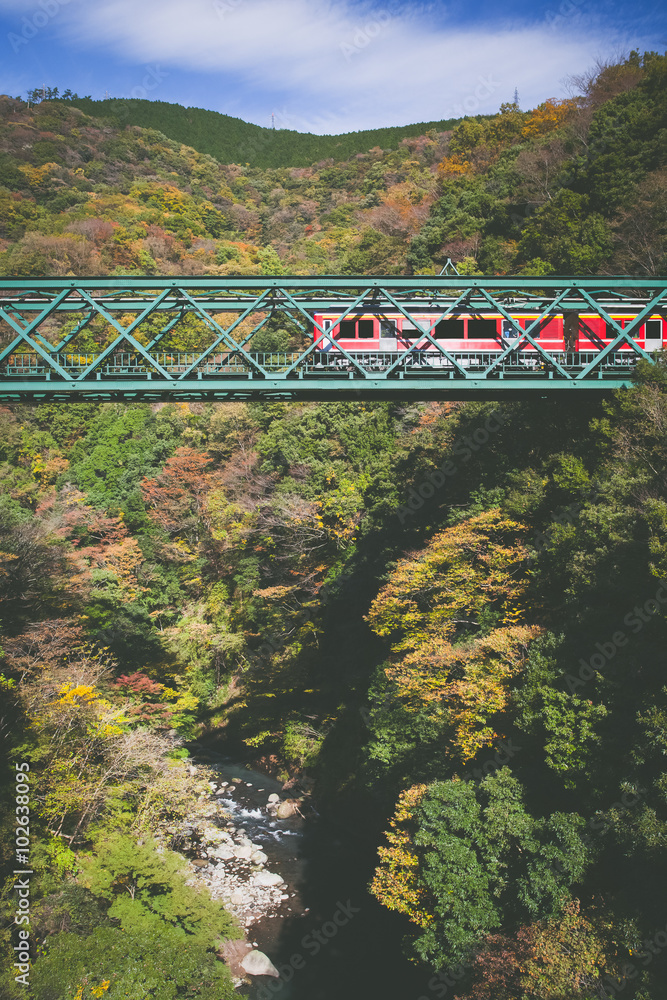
(184, 338)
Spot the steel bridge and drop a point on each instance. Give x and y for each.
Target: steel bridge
(185, 338)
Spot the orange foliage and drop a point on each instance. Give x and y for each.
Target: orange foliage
(453, 166)
(99, 541)
(180, 490)
(560, 957)
(548, 117)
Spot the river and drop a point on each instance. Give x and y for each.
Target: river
(330, 939)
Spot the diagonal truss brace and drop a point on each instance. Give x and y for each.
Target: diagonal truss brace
(427, 334)
(25, 338)
(125, 334)
(526, 336)
(325, 334)
(225, 335)
(649, 308)
(623, 338)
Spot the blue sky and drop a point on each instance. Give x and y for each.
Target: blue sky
(320, 65)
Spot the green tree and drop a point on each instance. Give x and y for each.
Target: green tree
(567, 235)
(157, 940)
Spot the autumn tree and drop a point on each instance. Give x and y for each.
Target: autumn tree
(176, 498)
(466, 856)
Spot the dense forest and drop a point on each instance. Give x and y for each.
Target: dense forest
(231, 140)
(472, 664)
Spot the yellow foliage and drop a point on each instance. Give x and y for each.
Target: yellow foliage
(431, 607)
(187, 702)
(395, 883)
(37, 175)
(228, 521)
(47, 471)
(567, 953)
(81, 694)
(110, 721)
(469, 681)
(464, 570)
(124, 559)
(95, 991)
(6, 560)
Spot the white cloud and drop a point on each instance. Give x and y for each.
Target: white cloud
(336, 66)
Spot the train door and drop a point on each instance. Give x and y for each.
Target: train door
(653, 334)
(325, 343)
(388, 334)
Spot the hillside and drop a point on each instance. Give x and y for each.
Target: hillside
(231, 140)
(550, 190)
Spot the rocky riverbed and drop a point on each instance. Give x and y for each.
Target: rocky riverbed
(240, 844)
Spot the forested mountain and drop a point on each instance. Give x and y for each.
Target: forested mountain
(574, 186)
(473, 664)
(231, 140)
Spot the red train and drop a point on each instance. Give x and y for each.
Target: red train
(487, 332)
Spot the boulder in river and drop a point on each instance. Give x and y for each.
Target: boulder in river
(274, 797)
(286, 809)
(256, 963)
(267, 879)
(223, 853)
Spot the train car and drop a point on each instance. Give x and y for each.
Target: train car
(483, 333)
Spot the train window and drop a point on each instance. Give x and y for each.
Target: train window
(610, 332)
(449, 329)
(527, 323)
(548, 328)
(482, 329)
(387, 327)
(348, 329)
(409, 329)
(654, 329)
(366, 328)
